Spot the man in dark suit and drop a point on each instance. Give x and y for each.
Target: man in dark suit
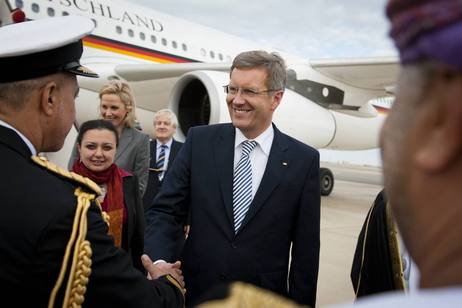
(421, 148)
(54, 244)
(163, 150)
(252, 193)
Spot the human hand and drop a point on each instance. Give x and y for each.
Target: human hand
(163, 268)
(186, 229)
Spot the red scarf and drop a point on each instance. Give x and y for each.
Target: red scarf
(113, 203)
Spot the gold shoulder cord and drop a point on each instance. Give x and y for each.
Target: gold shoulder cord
(67, 174)
(81, 259)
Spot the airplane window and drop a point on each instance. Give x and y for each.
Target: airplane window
(65, 13)
(164, 41)
(119, 29)
(51, 12)
(131, 33)
(220, 56)
(94, 22)
(142, 36)
(184, 47)
(19, 4)
(35, 8)
(203, 53)
(174, 44)
(153, 39)
(212, 54)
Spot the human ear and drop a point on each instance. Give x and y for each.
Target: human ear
(49, 99)
(276, 100)
(441, 126)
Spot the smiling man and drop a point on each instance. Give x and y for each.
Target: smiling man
(163, 150)
(251, 192)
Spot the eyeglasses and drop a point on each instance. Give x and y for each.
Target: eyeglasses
(246, 92)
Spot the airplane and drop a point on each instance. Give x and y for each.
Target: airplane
(173, 63)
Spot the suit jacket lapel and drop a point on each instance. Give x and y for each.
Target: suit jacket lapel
(274, 172)
(173, 151)
(124, 141)
(130, 213)
(153, 154)
(224, 158)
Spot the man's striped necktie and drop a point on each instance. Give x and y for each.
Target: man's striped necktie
(161, 161)
(242, 184)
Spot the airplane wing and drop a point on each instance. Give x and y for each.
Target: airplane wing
(330, 97)
(141, 72)
(367, 73)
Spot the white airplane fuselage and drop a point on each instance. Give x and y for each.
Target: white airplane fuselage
(129, 39)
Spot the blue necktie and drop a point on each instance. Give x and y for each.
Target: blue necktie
(161, 161)
(242, 184)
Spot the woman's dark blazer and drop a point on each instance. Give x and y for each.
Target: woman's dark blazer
(133, 236)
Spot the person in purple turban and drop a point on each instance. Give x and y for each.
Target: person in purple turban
(421, 143)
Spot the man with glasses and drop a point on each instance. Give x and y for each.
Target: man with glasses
(252, 193)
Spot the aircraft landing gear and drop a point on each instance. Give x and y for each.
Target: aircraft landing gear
(327, 181)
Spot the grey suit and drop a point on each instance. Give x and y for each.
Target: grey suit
(132, 155)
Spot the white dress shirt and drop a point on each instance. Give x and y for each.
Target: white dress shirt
(258, 157)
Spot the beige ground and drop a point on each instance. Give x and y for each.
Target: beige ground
(342, 215)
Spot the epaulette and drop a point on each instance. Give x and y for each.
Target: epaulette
(246, 295)
(67, 174)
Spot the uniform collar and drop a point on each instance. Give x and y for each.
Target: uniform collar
(24, 138)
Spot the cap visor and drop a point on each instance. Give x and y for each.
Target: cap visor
(82, 71)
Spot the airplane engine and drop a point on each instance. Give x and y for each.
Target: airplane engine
(198, 98)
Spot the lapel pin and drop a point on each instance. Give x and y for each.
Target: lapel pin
(284, 163)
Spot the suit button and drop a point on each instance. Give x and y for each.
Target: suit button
(222, 277)
(233, 245)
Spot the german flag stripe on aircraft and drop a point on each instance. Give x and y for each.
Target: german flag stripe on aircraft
(106, 44)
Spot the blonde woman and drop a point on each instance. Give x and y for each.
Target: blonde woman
(117, 105)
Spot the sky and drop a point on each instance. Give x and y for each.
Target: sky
(308, 28)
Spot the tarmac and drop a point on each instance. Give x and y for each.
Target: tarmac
(342, 216)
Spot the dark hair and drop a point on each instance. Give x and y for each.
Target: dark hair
(96, 124)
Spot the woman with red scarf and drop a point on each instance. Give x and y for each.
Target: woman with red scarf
(97, 142)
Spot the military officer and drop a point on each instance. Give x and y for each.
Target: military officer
(54, 246)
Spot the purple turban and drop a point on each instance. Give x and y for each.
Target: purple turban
(427, 29)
